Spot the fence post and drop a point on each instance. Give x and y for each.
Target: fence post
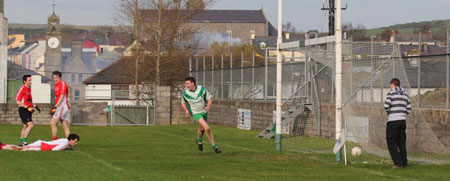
(212, 72)
(372, 67)
(146, 113)
(292, 72)
(231, 77)
(448, 71)
(242, 75)
(204, 70)
(113, 109)
(221, 76)
(196, 68)
(253, 74)
(190, 67)
(265, 73)
(419, 71)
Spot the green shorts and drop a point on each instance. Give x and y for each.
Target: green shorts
(199, 116)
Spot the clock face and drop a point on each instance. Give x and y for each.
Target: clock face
(53, 42)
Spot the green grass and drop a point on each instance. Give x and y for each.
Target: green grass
(169, 153)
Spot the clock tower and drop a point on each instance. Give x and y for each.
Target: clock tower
(53, 46)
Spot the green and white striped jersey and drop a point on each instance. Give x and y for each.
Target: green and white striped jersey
(196, 100)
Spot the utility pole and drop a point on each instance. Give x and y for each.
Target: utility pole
(331, 16)
(136, 49)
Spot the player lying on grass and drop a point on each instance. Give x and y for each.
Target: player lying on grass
(56, 145)
(196, 102)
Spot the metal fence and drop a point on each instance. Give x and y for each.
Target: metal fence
(113, 107)
(234, 81)
(238, 78)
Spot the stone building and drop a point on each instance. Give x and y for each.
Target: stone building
(238, 25)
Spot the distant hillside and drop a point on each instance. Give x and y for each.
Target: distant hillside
(80, 27)
(436, 25)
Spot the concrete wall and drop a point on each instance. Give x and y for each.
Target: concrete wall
(80, 113)
(430, 128)
(163, 104)
(9, 114)
(89, 113)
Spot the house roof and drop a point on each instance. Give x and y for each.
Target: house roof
(24, 49)
(116, 73)
(216, 16)
(409, 37)
(426, 49)
(16, 72)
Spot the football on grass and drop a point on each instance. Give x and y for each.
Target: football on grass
(356, 151)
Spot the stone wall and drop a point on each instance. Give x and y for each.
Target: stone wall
(89, 113)
(9, 114)
(163, 105)
(178, 114)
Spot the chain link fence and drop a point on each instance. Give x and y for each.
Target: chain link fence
(108, 107)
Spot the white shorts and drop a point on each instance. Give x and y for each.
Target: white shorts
(62, 112)
(35, 146)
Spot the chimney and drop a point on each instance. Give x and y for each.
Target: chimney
(393, 36)
(77, 47)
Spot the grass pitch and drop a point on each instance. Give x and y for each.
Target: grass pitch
(170, 153)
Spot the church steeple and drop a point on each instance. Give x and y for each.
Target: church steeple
(53, 27)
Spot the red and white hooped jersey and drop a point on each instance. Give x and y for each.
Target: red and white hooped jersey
(24, 95)
(61, 88)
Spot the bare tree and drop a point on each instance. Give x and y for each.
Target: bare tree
(357, 33)
(386, 34)
(288, 27)
(163, 33)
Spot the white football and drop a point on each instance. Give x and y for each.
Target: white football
(356, 151)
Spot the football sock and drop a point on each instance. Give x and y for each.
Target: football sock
(199, 140)
(21, 140)
(24, 140)
(54, 138)
(214, 146)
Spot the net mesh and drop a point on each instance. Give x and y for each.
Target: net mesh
(367, 71)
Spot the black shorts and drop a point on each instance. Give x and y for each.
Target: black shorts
(25, 115)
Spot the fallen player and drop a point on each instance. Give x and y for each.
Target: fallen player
(56, 145)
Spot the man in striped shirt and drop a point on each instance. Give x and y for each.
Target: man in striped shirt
(397, 106)
(196, 102)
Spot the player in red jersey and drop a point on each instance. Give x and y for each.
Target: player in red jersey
(24, 101)
(55, 145)
(61, 108)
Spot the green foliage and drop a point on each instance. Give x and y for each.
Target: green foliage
(169, 153)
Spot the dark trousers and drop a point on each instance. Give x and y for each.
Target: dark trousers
(396, 142)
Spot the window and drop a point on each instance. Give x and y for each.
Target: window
(73, 78)
(101, 50)
(252, 34)
(230, 34)
(80, 77)
(77, 95)
(120, 91)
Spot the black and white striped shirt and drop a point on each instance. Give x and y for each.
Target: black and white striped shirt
(397, 104)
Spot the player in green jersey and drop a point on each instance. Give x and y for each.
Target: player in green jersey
(196, 102)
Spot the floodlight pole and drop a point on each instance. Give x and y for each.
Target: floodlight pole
(279, 74)
(338, 36)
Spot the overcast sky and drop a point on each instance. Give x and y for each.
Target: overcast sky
(304, 14)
